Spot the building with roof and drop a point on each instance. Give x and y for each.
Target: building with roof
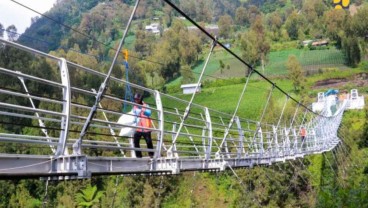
(190, 88)
(153, 28)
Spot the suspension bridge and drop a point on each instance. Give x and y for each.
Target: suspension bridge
(186, 136)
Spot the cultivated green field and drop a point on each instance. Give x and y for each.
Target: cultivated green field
(311, 61)
(213, 67)
(225, 98)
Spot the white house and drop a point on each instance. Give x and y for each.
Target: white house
(153, 28)
(190, 88)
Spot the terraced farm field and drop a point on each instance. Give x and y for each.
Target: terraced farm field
(311, 61)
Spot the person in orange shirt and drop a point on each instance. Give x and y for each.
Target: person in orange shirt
(144, 121)
(303, 133)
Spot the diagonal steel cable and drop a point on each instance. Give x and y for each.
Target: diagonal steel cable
(187, 109)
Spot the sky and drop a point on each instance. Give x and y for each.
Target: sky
(12, 13)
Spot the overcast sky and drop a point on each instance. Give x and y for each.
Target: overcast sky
(12, 13)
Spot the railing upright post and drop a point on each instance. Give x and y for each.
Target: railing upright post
(241, 138)
(160, 116)
(65, 120)
(209, 129)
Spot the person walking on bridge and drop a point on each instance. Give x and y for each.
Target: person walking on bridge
(303, 133)
(143, 122)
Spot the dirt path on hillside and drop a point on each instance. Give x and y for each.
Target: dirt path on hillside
(359, 80)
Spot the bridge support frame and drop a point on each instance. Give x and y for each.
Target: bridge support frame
(76, 165)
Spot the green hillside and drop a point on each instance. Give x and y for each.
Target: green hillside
(269, 31)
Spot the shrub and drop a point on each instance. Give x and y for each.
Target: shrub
(171, 89)
(222, 82)
(363, 65)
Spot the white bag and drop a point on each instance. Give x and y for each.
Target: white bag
(127, 119)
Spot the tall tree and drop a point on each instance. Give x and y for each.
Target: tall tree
(254, 43)
(359, 22)
(262, 43)
(334, 22)
(177, 47)
(187, 74)
(354, 37)
(11, 31)
(359, 26)
(252, 13)
(204, 12)
(1, 30)
(241, 16)
(189, 6)
(295, 73)
(169, 13)
(294, 24)
(297, 3)
(225, 26)
(309, 11)
(143, 43)
(249, 48)
(274, 22)
(352, 50)
(189, 47)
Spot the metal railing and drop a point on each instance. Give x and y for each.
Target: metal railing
(205, 140)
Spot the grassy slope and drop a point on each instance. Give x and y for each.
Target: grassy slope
(225, 98)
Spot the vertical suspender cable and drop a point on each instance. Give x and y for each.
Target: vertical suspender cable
(278, 124)
(263, 113)
(282, 113)
(187, 109)
(296, 111)
(236, 109)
